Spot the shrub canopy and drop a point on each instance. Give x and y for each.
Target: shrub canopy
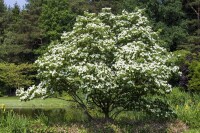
(111, 61)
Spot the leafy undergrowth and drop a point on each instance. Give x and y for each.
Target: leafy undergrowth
(187, 107)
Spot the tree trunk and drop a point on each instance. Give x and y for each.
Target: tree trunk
(106, 114)
(88, 114)
(82, 105)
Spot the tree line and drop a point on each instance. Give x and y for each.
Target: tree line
(26, 32)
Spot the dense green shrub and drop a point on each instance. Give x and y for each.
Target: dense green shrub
(181, 55)
(190, 68)
(194, 75)
(189, 64)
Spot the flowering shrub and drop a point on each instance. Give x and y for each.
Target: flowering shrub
(111, 61)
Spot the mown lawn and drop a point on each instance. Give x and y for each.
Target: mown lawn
(14, 102)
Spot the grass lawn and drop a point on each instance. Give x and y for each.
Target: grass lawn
(14, 102)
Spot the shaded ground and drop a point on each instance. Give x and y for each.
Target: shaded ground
(119, 127)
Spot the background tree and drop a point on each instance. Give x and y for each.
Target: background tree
(2, 20)
(166, 16)
(32, 15)
(192, 9)
(22, 34)
(14, 76)
(12, 45)
(95, 6)
(56, 19)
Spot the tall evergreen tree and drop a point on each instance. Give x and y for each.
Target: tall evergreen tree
(79, 6)
(9, 46)
(192, 9)
(2, 19)
(34, 34)
(54, 20)
(166, 16)
(22, 35)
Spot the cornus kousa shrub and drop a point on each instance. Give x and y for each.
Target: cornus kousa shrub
(114, 62)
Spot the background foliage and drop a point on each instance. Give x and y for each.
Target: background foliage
(15, 76)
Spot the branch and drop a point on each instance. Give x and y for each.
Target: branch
(78, 100)
(81, 103)
(117, 113)
(192, 7)
(96, 103)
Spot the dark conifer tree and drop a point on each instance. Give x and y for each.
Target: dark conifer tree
(168, 17)
(2, 20)
(22, 35)
(192, 9)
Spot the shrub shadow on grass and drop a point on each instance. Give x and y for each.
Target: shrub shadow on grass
(126, 126)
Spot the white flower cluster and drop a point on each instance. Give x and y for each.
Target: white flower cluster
(32, 92)
(103, 54)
